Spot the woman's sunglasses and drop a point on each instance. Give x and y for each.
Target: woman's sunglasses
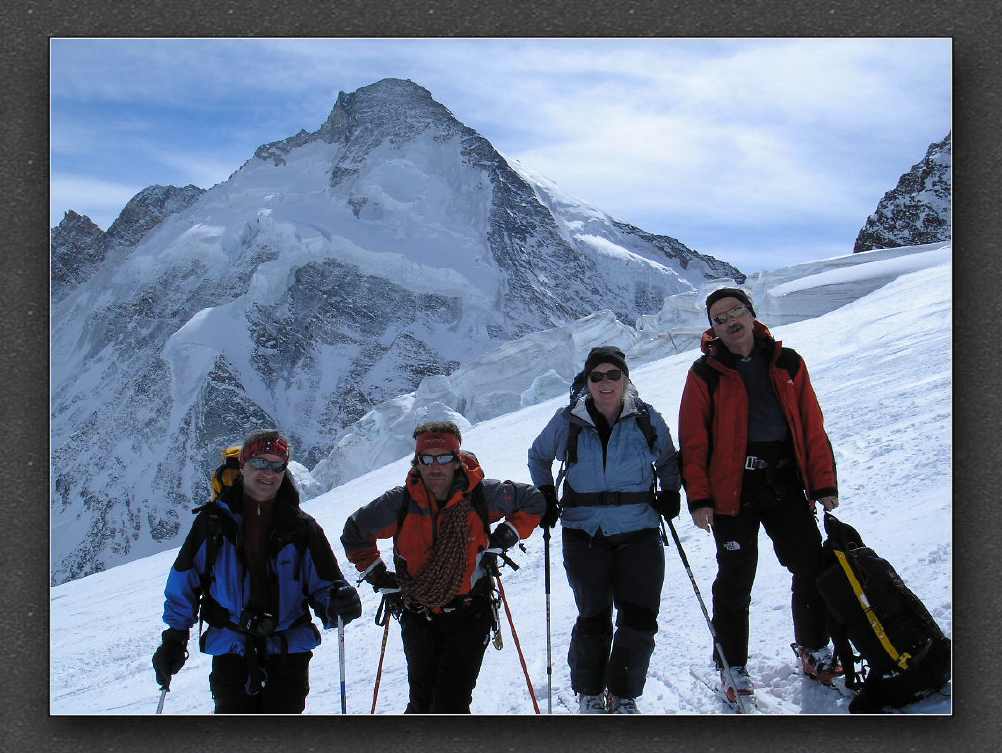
(613, 375)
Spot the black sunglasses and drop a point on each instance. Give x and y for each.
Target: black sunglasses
(275, 466)
(613, 375)
(433, 459)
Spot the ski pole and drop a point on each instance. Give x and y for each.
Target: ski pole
(340, 652)
(706, 615)
(546, 580)
(549, 659)
(518, 646)
(163, 694)
(382, 652)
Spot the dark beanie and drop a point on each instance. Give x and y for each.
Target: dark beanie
(719, 293)
(606, 354)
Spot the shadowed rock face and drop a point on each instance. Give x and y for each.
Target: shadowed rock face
(149, 208)
(140, 411)
(917, 210)
(77, 248)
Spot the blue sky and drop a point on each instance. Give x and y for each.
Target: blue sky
(762, 152)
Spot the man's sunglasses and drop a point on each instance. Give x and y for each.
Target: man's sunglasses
(433, 459)
(613, 375)
(275, 466)
(735, 313)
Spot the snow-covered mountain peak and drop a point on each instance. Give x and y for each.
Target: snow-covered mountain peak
(390, 108)
(333, 271)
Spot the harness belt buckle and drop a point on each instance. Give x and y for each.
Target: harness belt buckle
(753, 463)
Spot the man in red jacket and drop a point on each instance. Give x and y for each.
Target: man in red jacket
(755, 451)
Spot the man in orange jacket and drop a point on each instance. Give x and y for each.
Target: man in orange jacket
(755, 452)
(439, 524)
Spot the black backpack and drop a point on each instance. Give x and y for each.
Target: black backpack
(904, 655)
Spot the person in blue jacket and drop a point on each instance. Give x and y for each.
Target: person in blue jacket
(249, 567)
(610, 512)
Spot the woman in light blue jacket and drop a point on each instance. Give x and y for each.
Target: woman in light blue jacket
(611, 444)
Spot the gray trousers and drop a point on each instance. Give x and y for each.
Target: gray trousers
(625, 571)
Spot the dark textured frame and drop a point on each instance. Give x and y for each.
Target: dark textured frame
(24, 692)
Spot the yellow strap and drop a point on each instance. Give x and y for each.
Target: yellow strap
(900, 659)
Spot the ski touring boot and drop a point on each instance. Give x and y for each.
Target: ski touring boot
(741, 684)
(591, 704)
(617, 705)
(818, 663)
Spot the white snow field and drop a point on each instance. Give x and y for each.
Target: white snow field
(882, 368)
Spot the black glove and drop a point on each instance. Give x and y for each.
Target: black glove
(668, 503)
(503, 537)
(344, 603)
(549, 518)
(170, 656)
(379, 577)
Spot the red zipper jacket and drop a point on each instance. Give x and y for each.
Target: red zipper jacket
(714, 436)
(521, 506)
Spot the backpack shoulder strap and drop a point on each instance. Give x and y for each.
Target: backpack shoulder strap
(707, 373)
(573, 429)
(790, 360)
(479, 502)
(209, 515)
(644, 422)
(213, 522)
(404, 509)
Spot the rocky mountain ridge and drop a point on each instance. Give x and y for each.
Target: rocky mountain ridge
(917, 210)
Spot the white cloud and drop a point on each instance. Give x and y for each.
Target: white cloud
(742, 132)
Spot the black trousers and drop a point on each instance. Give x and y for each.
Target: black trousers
(777, 502)
(284, 692)
(627, 571)
(444, 655)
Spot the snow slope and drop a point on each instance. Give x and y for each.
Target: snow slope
(541, 365)
(882, 367)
